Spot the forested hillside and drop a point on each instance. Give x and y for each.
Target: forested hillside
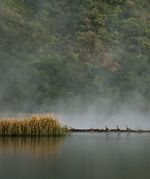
(75, 51)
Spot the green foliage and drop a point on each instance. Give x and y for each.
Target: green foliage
(51, 50)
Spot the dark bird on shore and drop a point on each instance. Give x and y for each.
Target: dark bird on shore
(118, 129)
(106, 128)
(127, 129)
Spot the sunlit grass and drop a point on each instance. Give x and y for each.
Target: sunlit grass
(35, 125)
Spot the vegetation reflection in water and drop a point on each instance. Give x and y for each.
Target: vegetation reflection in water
(36, 146)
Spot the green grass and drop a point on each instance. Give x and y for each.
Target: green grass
(35, 125)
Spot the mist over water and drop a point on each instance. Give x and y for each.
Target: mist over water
(97, 115)
(92, 119)
(130, 113)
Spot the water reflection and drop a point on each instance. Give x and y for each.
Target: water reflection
(78, 156)
(35, 146)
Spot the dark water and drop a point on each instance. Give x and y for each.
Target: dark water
(79, 156)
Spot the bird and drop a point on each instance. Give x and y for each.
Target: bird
(106, 128)
(118, 128)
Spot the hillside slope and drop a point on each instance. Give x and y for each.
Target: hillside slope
(74, 51)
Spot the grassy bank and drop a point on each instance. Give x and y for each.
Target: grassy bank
(35, 125)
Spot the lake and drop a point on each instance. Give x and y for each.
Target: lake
(77, 156)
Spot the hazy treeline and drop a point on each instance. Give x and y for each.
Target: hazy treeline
(74, 52)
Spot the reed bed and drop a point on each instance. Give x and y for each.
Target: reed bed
(35, 125)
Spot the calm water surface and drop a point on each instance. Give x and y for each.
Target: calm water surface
(79, 156)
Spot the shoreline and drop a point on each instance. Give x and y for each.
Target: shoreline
(109, 131)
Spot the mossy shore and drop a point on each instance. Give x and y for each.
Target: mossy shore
(34, 125)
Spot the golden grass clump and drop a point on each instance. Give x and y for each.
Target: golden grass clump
(35, 125)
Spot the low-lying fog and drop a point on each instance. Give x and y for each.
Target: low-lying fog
(100, 117)
(94, 115)
(89, 119)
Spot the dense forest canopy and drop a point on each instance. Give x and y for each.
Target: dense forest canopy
(77, 51)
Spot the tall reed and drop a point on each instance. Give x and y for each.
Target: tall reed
(35, 125)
